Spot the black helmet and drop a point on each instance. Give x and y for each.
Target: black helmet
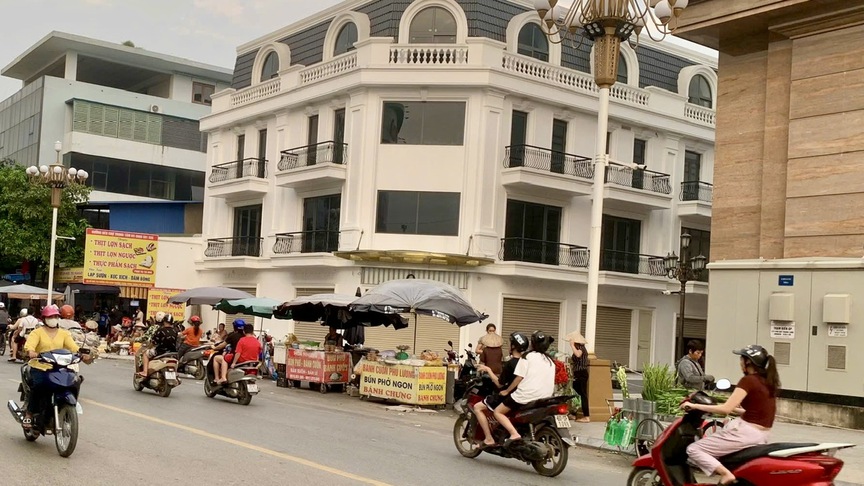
(519, 342)
(540, 342)
(755, 353)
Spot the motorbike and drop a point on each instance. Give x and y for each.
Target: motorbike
(241, 384)
(162, 377)
(778, 464)
(192, 362)
(59, 415)
(467, 370)
(543, 425)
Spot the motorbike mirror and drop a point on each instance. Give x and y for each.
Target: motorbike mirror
(450, 343)
(470, 346)
(723, 384)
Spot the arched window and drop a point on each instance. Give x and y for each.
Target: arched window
(622, 70)
(271, 67)
(433, 25)
(346, 39)
(533, 42)
(700, 92)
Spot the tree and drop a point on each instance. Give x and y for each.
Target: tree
(25, 220)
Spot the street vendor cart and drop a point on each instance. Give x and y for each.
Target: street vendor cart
(321, 369)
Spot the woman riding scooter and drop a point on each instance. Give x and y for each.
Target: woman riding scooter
(518, 345)
(218, 362)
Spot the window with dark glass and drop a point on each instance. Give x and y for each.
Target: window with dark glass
(339, 136)
(321, 223)
(700, 244)
(271, 67)
(433, 25)
(620, 243)
(423, 123)
(140, 179)
(312, 140)
(622, 70)
(692, 173)
(201, 93)
(97, 216)
(533, 42)
(262, 153)
(345, 39)
(559, 145)
(518, 138)
(532, 232)
(247, 231)
(700, 92)
(420, 213)
(639, 159)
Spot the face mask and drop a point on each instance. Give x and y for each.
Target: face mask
(52, 322)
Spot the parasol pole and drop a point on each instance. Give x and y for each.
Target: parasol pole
(415, 333)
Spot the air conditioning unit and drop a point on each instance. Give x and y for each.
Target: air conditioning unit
(155, 109)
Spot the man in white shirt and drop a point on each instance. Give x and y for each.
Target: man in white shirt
(22, 328)
(535, 380)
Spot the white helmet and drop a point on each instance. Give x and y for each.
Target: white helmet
(23, 312)
(2, 305)
(160, 316)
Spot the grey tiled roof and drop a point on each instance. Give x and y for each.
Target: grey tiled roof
(486, 18)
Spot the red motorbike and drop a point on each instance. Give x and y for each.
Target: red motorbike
(778, 464)
(543, 425)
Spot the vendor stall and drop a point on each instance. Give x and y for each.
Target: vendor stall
(319, 368)
(412, 383)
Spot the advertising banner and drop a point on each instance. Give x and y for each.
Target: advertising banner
(120, 258)
(69, 275)
(157, 300)
(317, 366)
(407, 384)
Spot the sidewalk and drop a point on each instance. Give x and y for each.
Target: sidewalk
(591, 435)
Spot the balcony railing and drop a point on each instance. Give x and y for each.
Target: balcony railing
(258, 92)
(548, 160)
(321, 153)
(635, 263)
(429, 54)
(238, 246)
(545, 252)
(638, 179)
(342, 64)
(697, 191)
(239, 169)
(700, 113)
(319, 241)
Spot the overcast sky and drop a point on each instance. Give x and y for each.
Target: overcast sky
(202, 30)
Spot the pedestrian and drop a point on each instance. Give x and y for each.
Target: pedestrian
(139, 316)
(689, 371)
(489, 349)
(580, 371)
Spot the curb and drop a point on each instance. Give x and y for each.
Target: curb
(600, 444)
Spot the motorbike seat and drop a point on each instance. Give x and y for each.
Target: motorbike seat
(246, 363)
(166, 356)
(737, 459)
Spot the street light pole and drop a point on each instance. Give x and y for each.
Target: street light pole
(57, 177)
(683, 269)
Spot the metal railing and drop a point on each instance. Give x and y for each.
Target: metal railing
(318, 241)
(545, 252)
(320, 153)
(635, 263)
(697, 191)
(238, 169)
(548, 160)
(638, 179)
(237, 246)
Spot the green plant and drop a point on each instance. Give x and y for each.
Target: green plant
(657, 379)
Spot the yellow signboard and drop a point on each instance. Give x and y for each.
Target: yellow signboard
(69, 275)
(120, 258)
(425, 385)
(157, 300)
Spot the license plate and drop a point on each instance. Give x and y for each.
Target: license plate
(252, 387)
(562, 421)
(170, 375)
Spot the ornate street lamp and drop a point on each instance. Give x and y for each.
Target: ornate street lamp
(683, 270)
(607, 23)
(57, 177)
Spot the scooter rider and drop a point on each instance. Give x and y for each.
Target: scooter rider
(21, 329)
(518, 345)
(191, 336)
(227, 348)
(163, 341)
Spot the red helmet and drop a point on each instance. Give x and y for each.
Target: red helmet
(194, 320)
(67, 312)
(50, 311)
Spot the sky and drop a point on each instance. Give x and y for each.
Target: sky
(206, 31)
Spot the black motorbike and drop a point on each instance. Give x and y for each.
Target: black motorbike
(59, 415)
(192, 362)
(467, 370)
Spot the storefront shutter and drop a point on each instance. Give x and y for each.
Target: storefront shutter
(433, 334)
(695, 329)
(228, 319)
(613, 333)
(527, 316)
(310, 331)
(385, 338)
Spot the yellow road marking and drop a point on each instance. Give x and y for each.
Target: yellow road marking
(245, 445)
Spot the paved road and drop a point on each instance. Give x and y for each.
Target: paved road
(293, 436)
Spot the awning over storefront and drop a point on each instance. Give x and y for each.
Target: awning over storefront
(78, 288)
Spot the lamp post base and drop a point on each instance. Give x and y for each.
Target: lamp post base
(599, 388)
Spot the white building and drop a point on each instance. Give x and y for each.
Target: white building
(381, 139)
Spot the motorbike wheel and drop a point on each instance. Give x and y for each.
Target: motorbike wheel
(646, 435)
(164, 390)
(644, 476)
(30, 435)
(244, 397)
(208, 388)
(137, 384)
(202, 372)
(462, 432)
(66, 430)
(2, 346)
(554, 465)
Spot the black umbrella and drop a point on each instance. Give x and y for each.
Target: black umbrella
(356, 334)
(332, 310)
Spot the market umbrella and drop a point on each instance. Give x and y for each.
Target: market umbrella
(255, 306)
(208, 295)
(332, 310)
(356, 334)
(24, 291)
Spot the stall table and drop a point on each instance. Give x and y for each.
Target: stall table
(321, 368)
(411, 385)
